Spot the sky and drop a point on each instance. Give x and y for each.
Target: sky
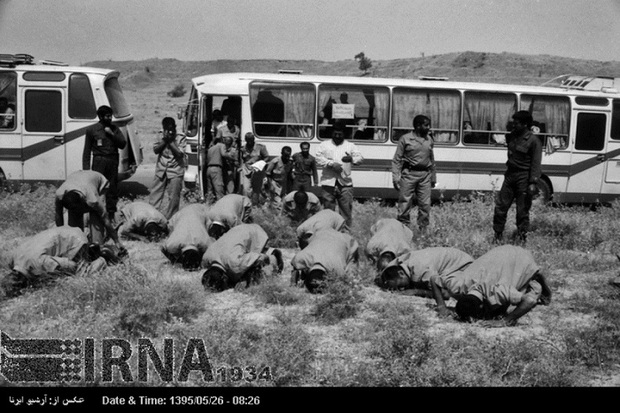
(81, 31)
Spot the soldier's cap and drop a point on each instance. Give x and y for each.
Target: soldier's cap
(317, 267)
(189, 248)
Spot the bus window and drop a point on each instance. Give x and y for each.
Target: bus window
(443, 107)
(116, 98)
(81, 99)
(552, 116)
(489, 115)
(283, 109)
(590, 134)
(43, 111)
(615, 120)
(365, 110)
(8, 85)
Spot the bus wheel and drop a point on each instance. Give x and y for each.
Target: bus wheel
(544, 193)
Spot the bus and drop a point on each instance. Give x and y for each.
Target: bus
(45, 109)
(576, 117)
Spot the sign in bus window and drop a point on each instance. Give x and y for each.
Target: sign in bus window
(443, 107)
(364, 108)
(551, 115)
(487, 117)
(283, 110)
(8, 103)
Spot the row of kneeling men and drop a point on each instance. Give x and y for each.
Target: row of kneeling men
(500, 286)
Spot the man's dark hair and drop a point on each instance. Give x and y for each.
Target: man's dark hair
(339, 125)
(301, 145)
(214, 279)
(154, 231)
(468, 307)
(315, 281)
(419, 120)
(524, 117)
(104, 110)
(216, 230)
(72, 200)
(300, 197)
(168, 123)
(384, 259)
(286, 149)
(190, 259)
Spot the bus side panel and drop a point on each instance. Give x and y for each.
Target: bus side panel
(10, 154)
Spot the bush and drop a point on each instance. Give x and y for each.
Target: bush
(342, 298)
(177, 91)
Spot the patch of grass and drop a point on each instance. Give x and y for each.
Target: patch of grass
(279, 228)
(29, 208)
(341, 298)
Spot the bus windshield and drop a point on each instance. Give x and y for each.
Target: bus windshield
(117, 99)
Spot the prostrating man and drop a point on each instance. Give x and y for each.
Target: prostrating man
(142, 222)
(85, 192)
(328, 252)
(422, 270)
(325, 218)
(42, 258)
(189, 237)
(241, 254)
(300, 205)
(389, 239)
(509, 284)
(169, 169)
(337, 156)
(305, 172)
(103, 140)
(521, 177)
(231, 210)
(413, 172)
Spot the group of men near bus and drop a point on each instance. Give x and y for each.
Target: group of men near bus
(221, 238)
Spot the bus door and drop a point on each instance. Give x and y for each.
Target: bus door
(43, 129)
(611, 183)
(587, 166)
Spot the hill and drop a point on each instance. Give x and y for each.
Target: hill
(467, 66)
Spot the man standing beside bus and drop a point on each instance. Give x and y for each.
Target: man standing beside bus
(521, 176)
(169, 169)
(336, 157)
(251, 152)
(413, 172)
(104, 140)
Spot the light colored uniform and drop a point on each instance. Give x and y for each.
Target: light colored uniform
(237, 250)
(289, 208)
(446, 262)
(188, 227)
(138, 215)
(324, 219)
(231, 210)
(329, 250)
(92, 187)
(48, 251)
(389, 235)
(504, 276)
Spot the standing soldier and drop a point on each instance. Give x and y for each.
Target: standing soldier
(521, 176)
(279, 174)
(103, 140)
(251, 152)
(413, 172)
(170, 168)
(219, 156)
(304, 168)
(336, 157)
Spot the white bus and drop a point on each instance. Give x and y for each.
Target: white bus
(45, 108)
(577, 119)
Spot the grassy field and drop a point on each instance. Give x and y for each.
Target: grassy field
(355, 334)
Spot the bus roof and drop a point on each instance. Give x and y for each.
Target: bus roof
(237, 84)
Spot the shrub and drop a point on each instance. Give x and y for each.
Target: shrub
(341, 299)
(177, 91)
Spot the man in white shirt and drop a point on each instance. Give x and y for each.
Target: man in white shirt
(336, 157)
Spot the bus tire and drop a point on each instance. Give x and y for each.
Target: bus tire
(544, 194)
